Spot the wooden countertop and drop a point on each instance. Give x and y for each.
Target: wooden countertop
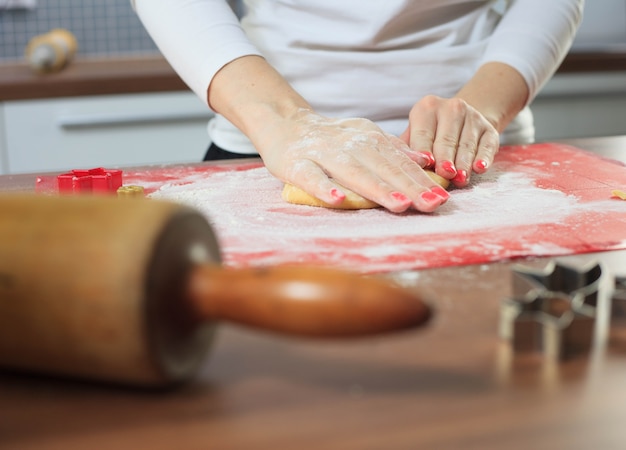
(154, 74)
(451, 385)
(90, 77)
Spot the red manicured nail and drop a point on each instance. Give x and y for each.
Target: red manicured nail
(430, 197)
(448, 167)
(481, 165)
(461, 177)
(440, 192)
(429, 158)
(336, 193)
(401, 198)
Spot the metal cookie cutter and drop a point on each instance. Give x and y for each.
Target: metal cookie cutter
(618, 302)
(552, 311)
(618, 313)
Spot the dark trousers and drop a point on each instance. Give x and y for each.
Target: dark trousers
(215, 153)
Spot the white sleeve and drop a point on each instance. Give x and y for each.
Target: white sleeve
(197, 37)
(534, 36)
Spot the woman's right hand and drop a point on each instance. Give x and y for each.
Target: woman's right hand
(322, 155)
(318, 154)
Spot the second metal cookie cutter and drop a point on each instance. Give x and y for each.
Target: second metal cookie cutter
(552, 310)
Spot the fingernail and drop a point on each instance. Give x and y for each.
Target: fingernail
(430, 159)
(440, 192)
(461, 177)
(401, 198)
(337, 194)
(481, 165)
(448, 167)
(430, 197)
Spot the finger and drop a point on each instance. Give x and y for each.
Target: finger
(467, 148)
(310, 177)
(425, 200)
(371, 184)
(420, 134)
(449, 130)
(423, 124)
(355, 176)
(488, 147)
(424, 159)
(404, 181)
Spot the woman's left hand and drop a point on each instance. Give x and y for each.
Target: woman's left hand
(458, 136)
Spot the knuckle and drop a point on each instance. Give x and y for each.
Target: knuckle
(300, 171)
(351, 169)
(429, 102)
(447, 141)
(393, 170)
(468, 147)
(490, 142)
(408, 167)
(458, 106)
(423, 135)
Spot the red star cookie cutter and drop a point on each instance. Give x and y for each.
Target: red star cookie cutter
(97, 181)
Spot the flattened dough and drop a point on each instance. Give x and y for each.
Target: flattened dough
(293, 194)
(618, 194)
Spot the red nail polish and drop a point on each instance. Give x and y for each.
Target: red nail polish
(429, 157)
(440, 192)
(430, 197)
(481, 164)
(336, 193)
(461, 177)
(401, 197)
(448, 167)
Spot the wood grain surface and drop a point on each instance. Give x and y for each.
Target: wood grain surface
(90, 76)
(449, 386)
(152, 73)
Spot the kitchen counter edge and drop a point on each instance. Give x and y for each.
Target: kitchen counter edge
(145, 74)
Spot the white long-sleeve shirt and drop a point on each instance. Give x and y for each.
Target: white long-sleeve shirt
(365, 58)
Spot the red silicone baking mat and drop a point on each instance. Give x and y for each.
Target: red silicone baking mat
(536, 200)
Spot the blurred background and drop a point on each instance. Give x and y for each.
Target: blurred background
(51, 131)
(111, 28)
(102, 27)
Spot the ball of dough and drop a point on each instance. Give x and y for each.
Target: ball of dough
(295, 195)
(441, 181)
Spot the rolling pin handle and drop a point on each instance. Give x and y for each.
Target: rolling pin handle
(305, 301)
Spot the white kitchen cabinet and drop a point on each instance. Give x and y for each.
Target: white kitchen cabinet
(581, 105)
(110, 131)
(159, 128)
(3, 146)
(603, 27)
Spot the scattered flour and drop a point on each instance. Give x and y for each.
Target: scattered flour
(497, 217)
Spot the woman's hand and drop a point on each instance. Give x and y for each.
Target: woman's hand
(316, 153)
(320, 155)
(462, 133)
(459, 137)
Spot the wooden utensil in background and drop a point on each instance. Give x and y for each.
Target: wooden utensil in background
(129, 291)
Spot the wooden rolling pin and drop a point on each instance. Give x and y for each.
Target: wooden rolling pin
(52, 51)
(129, 291)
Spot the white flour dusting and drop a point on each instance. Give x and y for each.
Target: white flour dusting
(256, 226)
(245, 201)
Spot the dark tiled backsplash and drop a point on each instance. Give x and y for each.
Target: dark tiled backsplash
(101, 27)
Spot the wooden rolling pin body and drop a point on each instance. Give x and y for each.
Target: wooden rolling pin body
(88, 287)
(129, 291)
